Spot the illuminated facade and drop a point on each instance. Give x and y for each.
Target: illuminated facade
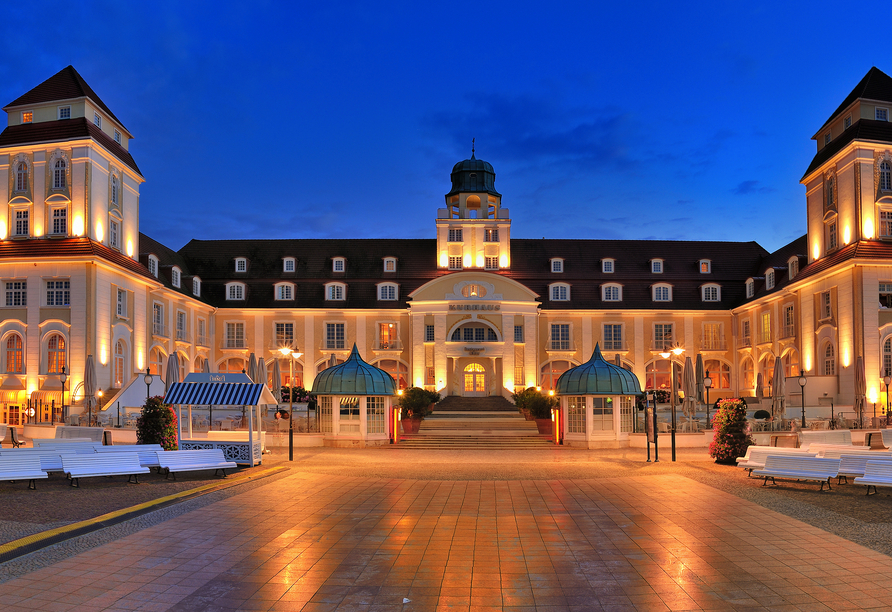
(471, 311)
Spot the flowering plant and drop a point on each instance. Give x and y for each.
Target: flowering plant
(731, 437)
(661, 396)
(157, 424)
(300, 394)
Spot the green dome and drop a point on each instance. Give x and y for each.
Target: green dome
(353, 377)
(473, 176)
(597, 377)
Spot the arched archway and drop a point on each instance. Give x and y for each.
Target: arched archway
(474, 380)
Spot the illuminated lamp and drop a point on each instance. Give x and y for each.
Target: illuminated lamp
(551, 392)
(444, 260)
(816, 251)
(503, 261)
(480, 261)
(2, 230)
(400, 392)
(868, 229)
(99, 232)
(77, 226)
(129, 248)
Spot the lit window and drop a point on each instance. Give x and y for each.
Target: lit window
(829, 360)
(181, 327)
(153, 266)
(847, 122)
(55, 354)
(455, 234)
(711, 293)
(766, 328)
(557, 265)
(881, 114)
(241, 264)
(656, 266)
(59, 176)
(613, 337)
(117, 137)
(334, 292)
(491, 235)
(17, 293)
(518, 334)
(769, 279)
(58, 293)
(235, 291)
(389, 264)
(560, 293)
(21, 177)
(662, 293)
(122, 303)
(22, 226)
(338, 264)
(491, 263)
(97, 119)
(64, 112)
(612, 293)
(455, 263)
(607, 266)
(832, 240)
(705, 266)
(14, 361)
(27, 116)
(288, 265)
(428, 333)
(196, 287)
(175, 277)
(60, 221)
(387, 292)
(285, 292)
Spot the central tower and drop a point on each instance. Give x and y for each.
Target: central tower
(473, 231)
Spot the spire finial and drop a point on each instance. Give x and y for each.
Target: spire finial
(472, 147)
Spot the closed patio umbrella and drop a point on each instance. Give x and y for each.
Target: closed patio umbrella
(90, 388)
(860, 389)
(689, 406)
(277, 381)
(779, 387)
(252, 368)
(699, 375)
(760, 391)
(172, 373)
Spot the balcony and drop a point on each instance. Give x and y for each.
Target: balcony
(234, 343)
(159, 329)
(559, 345)
(203, 341)
(333, 345)
(388, 345)
(765, 338)
(788, 331)
(713, 343)
(182, 336)
(662, 345)
(614, 345)
(745, 342)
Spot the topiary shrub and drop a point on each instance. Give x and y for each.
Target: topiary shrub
(157, 424)
(416, 402)
(731, 438)
(540, 405)
(762, 414)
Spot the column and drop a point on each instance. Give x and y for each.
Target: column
(441, 363)
(309, 350)
(508, 381)
(416, 320)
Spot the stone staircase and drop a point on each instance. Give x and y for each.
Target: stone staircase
(489, 423)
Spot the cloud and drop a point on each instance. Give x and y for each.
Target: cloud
(748, 187)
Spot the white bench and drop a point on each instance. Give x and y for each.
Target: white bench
(876, 474)
(68, 432)
(799, 468)
(50, 460)
(103, 464)
(61, 441)
(836, 436)
(887, 437)
(21, 468)
(755, 455)
(854, 465)
(147, 453)
(193, 460)
(834, 451)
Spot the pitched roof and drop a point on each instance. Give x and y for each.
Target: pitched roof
(167, 259)
(62, 130)
(876, 85)
(780, 259)
(863, 129)
(64, 85)
(37, 248)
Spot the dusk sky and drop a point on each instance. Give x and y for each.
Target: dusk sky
(325, 120)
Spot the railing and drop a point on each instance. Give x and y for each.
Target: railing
(746, 341)
(333, 345)
(613, 345)
(713, 343)
(203, 341)
(558, 345)
(662, 345)
(788, 331)
(234, 343)
(160, 329)
(765, 338)
(182, 336)
(388, 345)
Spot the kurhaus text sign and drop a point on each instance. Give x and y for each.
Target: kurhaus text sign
(475, 306)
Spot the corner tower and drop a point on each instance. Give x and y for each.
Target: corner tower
(473, 231)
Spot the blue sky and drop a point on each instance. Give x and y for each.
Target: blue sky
(340, 119)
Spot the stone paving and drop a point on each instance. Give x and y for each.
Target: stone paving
(338, 541)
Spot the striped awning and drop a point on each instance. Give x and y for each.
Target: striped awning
(12, 397)
(47, 397)
(214, 394)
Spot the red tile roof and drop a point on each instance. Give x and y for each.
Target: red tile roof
(876, 85)
(37, 248)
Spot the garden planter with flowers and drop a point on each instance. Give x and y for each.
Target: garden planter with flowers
(731, 439)
(415, 404)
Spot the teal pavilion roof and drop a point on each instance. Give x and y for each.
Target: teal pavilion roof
(354, 377)
(597, 377)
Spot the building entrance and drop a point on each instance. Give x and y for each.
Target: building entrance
(475, 381)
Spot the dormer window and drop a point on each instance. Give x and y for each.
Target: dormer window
(656, 266)
(711, 293)
(881, 114)
(196, 287)
(235, 291)
(793, 267)
(97, 120)
(175, 277)
(612, 293)
(27, 116)
(338, 264)
(288, 264)
(705, 266)
(117, 137)
(387, 292)
(284, 291)
(241, 264)
(335, 291)
(826, 139)
(662, 293)
(153, 266)
(455, 234)
(390, 264)
(769, 279)
(847, 122)
(557, 265)
(559, 292)
(64, 112)
(607, 266)
(750, 287)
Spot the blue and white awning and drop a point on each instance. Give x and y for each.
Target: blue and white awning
(217, 394)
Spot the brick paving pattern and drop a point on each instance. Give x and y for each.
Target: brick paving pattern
(320, 541)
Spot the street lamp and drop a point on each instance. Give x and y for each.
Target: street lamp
(802, 381)
(98, 407)
(887, 379)
(288, 352)
(707, 383)
(672, 389)
(148, 378)
(64, 378)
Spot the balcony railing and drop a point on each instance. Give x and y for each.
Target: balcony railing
(713, 343)
(333, 345)
(746, 341)
(203, 341)
(388, 345)
(765, 338)
(182, 336)
(558, 345)
(234, 343)
(664, 344)
(788, 331)
(613, 345)
(160, 329)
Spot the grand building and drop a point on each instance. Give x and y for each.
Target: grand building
(469, 311)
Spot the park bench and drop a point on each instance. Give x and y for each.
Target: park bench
(854, 465)
(102, 464)
(755, 456)
(50, 460)
(147, 453)
(193, 460)
(14, 437)
(27, 467)
(836, 436)
(887, 437)
(834, 451)
(876, 474)
(799, 468)
(61, 441)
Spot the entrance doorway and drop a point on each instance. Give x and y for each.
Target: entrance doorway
(475, 381)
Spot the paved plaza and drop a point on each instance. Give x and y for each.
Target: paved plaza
(410, 530)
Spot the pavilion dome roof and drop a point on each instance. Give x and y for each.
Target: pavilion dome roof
(354, 377)
(597, 377)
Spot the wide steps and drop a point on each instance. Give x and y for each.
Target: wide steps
(417, 441)
(454, 403)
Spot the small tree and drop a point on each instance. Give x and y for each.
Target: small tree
(540, 405)
(731, 438)
(157, 424)
(522, 399)
(415, 402)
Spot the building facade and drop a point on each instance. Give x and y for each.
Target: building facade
(470, 311)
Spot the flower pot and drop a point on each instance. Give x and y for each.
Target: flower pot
(544, 426)
(410, 425)
(528, 416)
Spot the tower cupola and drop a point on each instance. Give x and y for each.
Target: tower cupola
(473, 176)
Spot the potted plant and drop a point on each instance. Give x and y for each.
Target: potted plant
(522, 399)
(415, 404)
(731, 438)
(540, 406)
(157, 424)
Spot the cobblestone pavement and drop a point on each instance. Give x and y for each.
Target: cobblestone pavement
(389, 529)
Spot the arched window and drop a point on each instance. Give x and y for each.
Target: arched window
(285, 373)
(55, 354)
(791, 364)
(719, 372)
(658, 374)
(59, 174)
(119, 365)
(829, 361)
(198, 364)
(156, 361)
(746, 369)
(829, 202)
(887, 357)
(560, 292)
(114, 191)
(233, 365)
(885, 176)
(397, 369)
(14, 362)
(612, 293)
(551, 371)
(21, 177)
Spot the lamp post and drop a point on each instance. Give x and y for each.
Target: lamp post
(887, 379)
(98, 407)
(148, 378)
(802, 381)
(64, 378)
(666, 354)
(288, 352)
(707, 383)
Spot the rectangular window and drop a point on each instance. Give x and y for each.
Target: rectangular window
(607, 266)
(235, 335)
(241, 265)
(428, 333)
(388, 292)
(611, 293)
(21, 222)
(559, 293)
(518, 334)
(661, 294)
(663, 336)
(387, 336)
(656, 266)
(712, 337)
(491, 235)
(335, 292)
(374, 414)
(626, 406)
(491, 263)
(455, 263)
(613, 337)
(886, 295)
(390, 265)
(284, 334)
(97, 119)
(175, 277)
(826, 308)
(847, 122)
(826, 139)
(576, 415)
(710, 294)
(17, 293)
(519, 378)
(766, 328)
(560, 337)
(886, 223)
(181, 326)
(64, 112)
(158, 327)
(831, 236)
(455, 234)
(881, 114)
(202, 333)
(236, 292)
(113, 231)
(705, 266)
(602, 413)
(745, 337)
(117, 137)
(122, 303)
(557, 265)
(788, 321)
(27, 116)
(289, 265)
(334, 335)
(285, 292)
(196, 287)
(58, 293)
(338, 265)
